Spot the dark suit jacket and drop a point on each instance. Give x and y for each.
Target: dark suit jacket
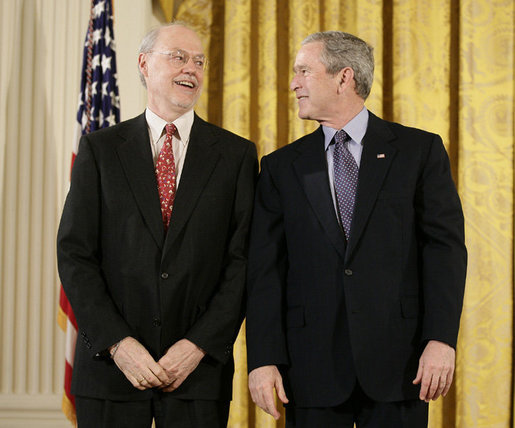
(328, 312)
(125, 277)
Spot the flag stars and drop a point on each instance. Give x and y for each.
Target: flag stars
(111, 120)
(97, 35)
(109, 41)
(94, 88)
(95, 62)
(98, 9)
(104, 89)
(106, 62)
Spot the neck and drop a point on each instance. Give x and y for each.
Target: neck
(168, 112)
(342, 116)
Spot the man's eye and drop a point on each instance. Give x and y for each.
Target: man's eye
(178, 58)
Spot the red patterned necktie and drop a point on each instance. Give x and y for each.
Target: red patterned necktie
(345, 180)
(165, 172)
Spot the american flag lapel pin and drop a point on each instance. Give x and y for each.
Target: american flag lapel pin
(381, 156)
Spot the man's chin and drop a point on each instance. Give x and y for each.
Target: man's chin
(185, 105)
(304, 115)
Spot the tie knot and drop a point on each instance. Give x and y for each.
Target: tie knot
(170, 129)
(341, 137)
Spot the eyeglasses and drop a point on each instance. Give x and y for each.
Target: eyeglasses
(179, 58)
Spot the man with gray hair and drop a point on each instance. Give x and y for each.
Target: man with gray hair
(152, 252)
(357, 259)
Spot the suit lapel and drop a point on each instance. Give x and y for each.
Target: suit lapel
(136, 158)
(201, 158)
(376, 159)
(311, 170)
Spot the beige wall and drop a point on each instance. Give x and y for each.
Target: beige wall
(41, 53)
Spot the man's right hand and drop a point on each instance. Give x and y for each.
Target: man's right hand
(262, 382)
(138, 366)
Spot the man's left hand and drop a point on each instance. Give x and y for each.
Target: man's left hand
(179, 361)
(435, 370)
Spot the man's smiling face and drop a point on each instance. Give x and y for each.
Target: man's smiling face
(315, 89)
(173, 89)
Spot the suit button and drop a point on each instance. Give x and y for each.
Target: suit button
(348, 272)
(164, 275)
(156, 322)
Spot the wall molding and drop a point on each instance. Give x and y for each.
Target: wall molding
(32, 411)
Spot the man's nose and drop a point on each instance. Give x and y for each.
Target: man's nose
(294, 83)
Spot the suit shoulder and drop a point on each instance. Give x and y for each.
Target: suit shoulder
(403, 131)
(413, 142)
(291, 151)
(117, 128)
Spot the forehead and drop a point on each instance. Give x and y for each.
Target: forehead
(309, 55)
(179, 37)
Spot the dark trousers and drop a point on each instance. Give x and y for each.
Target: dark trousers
(362, 411)
(166, 411)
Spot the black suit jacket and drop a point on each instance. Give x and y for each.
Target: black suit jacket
(125, 277)
(327, 311)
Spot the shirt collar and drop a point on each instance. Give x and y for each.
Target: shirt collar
(355, 128)
(183, 124)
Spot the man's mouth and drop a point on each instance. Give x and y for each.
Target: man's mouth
(186, 83)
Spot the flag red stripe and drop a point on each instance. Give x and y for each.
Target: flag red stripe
(67, 308)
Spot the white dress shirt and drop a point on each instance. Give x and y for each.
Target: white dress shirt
(157, 134)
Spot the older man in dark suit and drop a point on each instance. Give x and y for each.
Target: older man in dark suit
(152, 252)
(357, 259)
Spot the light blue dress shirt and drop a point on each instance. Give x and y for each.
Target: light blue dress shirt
(356, 130)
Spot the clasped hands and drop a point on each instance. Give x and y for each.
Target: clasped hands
(143, 372)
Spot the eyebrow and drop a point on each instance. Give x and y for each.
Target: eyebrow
(299, 66)
(194, 55)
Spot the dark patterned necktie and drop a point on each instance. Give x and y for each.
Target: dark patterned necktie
(165, 173)
(345, 180)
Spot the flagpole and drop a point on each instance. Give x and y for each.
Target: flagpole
(99, 107)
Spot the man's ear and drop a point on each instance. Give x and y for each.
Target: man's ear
(142, 64)
(345, 78)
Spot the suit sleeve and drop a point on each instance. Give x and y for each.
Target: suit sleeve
(266, 339)
(443, 253)
(79, 257)
(216, 331)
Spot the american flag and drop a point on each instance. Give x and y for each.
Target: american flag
(99, 107)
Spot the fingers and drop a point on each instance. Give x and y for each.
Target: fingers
(279, 389)
(448, 384)
(435, 371)
(138, 366)
(152, 376)
(160, 374)
(418, 378)
(269, 400)
(155, 375)
(263, 396)
(179, 362)
(135, 382)
(262, 382)
(174, 384)
(141, 381)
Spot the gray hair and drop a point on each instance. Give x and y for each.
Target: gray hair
(342, 50)
(149, 40)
